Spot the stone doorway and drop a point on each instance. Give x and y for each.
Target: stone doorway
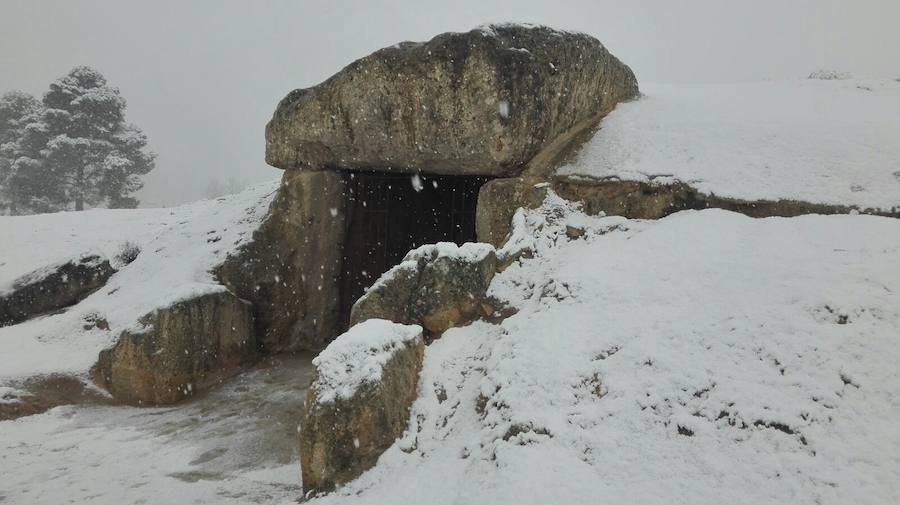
(389, 214)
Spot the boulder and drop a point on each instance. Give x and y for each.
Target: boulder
(180, 349)
(358, 405)
(484, 102)
(436, 286)
(53, 288)
(291, 269)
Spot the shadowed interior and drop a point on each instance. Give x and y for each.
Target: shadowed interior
(390, 214)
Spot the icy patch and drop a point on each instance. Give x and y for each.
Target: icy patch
(358, 356)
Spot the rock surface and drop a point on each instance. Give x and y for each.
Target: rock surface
(291, 269)
(182, 349)
(359, 401)
(53, 288)
(436, 286)
(499, 199)
(484, 102)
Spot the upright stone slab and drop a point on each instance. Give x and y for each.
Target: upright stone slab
(180, 350)
(359, 401)
(291, 269)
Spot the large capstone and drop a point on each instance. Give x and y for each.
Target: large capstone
(359, 401)
(484, 102)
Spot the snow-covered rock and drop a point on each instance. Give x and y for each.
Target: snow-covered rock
(437, 286)
(53, 287)
(358, 404)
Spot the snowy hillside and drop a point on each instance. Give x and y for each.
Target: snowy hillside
(820, 141)
(178, 247)
(703, 358)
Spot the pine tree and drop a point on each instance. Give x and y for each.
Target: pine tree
(21, 139)
(93, 154)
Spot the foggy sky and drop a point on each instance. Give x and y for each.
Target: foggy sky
(202, 78)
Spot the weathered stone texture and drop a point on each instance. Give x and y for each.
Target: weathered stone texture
(291, 269)
(341, 439)
(434, 290)
(183, 348)
(54, 288)
(484, 102)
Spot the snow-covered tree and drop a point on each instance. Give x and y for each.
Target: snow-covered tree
(96, 157)
(21, 140)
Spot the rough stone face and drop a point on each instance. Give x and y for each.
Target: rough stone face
(184, 348)
(483, 102)
(53, 288)
(340, 437)
(497, 203)
(291, 269)
(499, 199)
(437, 287)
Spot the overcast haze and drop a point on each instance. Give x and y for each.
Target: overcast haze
(202, 78)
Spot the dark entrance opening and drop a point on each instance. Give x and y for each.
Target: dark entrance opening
(390, 214)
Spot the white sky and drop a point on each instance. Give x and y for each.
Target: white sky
(203, 77)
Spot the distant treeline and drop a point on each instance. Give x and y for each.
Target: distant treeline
(70, 150)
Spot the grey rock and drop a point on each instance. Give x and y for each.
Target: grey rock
(434, 290)
(181, 350)
(53, 288)
(291, 269)
(484, 102)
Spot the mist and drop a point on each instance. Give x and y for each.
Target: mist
(203, 78)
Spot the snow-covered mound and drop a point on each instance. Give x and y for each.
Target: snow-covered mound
(820, 141)
(178, 247)
(703, 358)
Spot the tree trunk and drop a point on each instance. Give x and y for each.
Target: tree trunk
(79, 189)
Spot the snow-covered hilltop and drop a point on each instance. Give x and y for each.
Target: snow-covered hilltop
(834, 141)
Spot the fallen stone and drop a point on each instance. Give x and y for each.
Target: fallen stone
(359, 401)
(53, 288)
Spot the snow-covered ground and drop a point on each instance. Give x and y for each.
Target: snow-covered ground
(178, 248)
(821, 141)
(704, 358)
(232, 446)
